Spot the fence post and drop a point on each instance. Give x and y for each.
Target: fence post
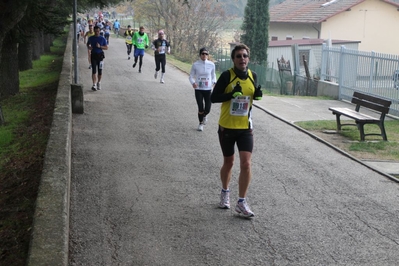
(371, 71)
(324, 61)
(297, 67)
(341, 71)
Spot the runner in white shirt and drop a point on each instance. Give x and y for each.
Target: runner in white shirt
(203, 78)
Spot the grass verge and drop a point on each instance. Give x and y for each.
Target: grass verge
(349, 139)
(23, 141)
(183, 66)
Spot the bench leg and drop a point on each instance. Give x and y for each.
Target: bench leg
(338, 118)
(381, 126)
(361, 129)
(383, 133)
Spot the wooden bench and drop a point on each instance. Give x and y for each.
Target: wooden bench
(371, 102)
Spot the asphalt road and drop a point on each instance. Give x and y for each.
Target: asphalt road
(145, 184)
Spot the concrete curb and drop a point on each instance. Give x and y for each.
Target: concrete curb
(49, 243)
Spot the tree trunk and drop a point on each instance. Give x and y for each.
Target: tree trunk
(11, 12)
(41, 42)
(37, 46)
(2, 121)
(47, 42)
(9, 67)
(25, 55)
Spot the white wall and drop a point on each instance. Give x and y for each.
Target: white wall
(297, 31)
(372, 22)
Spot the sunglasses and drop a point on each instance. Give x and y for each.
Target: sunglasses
(241, 56)
(204, 54)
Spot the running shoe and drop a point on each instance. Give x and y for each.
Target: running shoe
(243, 209)
(128, 58)
(205, 120)
(89, 66)
(224, 200)
(156, 74)
(162, 81)
(200, 127)
(98, 86)
(134, 65)
(93, 88)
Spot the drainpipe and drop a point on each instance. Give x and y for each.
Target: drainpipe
(318, 32)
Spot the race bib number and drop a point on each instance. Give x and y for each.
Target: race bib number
(140, 40)
(162, 49)
(239, 106)
(129, 38)
(203, 82)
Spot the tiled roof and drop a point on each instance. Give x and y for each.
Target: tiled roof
(312, 11)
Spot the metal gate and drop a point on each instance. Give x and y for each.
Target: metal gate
(373, 73)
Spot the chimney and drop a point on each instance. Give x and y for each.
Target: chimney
(274, 38)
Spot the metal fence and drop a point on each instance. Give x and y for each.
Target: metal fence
(272, 77)
(268, 77)
(373, 73)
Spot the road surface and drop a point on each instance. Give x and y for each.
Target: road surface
(145, 184)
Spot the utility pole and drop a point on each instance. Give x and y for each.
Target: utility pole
(75, 43)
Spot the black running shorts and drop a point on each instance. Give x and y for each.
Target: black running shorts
(229, 137)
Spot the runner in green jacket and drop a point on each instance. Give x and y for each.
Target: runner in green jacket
(140, 42)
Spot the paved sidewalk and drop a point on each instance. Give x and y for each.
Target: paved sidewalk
(295, 109)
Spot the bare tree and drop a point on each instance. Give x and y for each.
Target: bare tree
(188, 28)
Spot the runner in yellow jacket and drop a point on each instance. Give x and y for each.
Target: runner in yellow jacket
(236, 89)
(128, 40)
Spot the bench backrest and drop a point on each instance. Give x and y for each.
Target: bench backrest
(371, 102)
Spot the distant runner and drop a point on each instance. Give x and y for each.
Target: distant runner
(160, 46)
(140, 42)
(96, 44)
(128, 40)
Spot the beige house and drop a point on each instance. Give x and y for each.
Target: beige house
(372, 22)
